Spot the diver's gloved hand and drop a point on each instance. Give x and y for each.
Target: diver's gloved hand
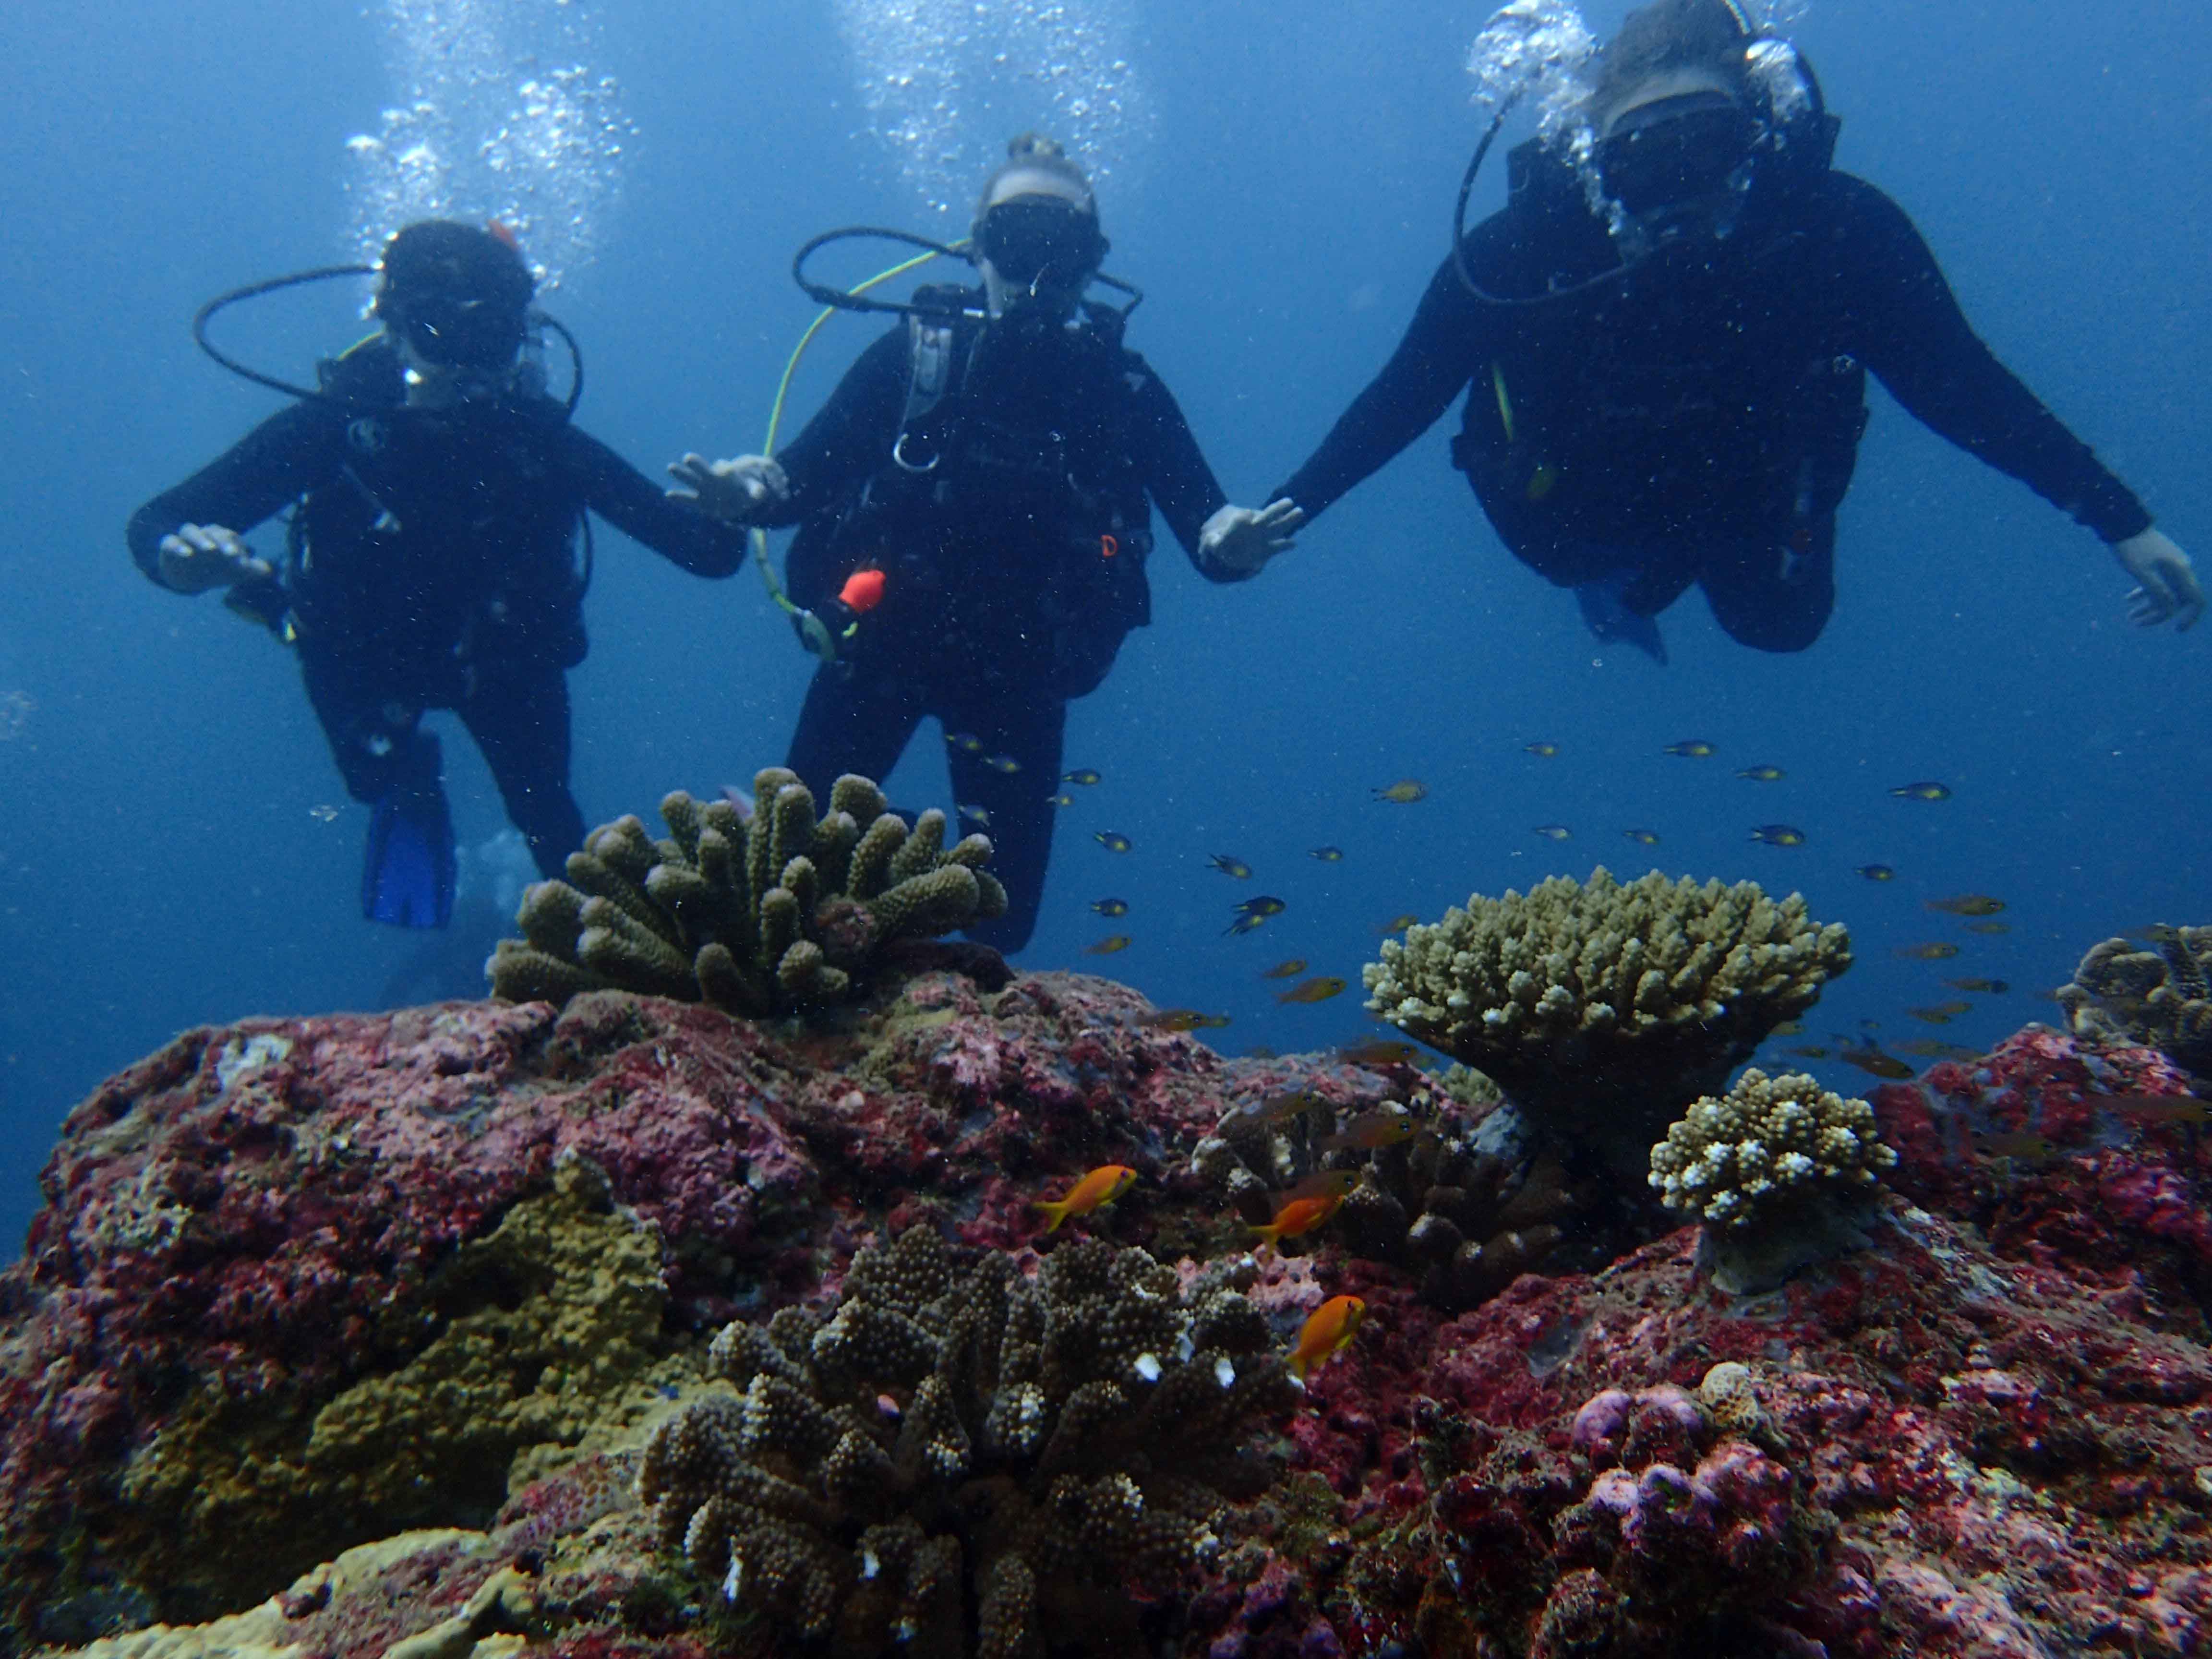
(1239, 540)
(198, 556)
(2166, 588)
(736, 492)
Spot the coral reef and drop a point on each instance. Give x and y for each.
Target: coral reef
(955, 1437)
(1604, 1008)
(482, 1249)
(1428, 1196)
(1779, 1170)
(2159, 997)
(757, 918)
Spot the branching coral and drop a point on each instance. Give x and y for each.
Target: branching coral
(1772, 1167)
(1604, 1007)
(2159, 997)
(756, 918)
(959, 1460)
(1426, 1198)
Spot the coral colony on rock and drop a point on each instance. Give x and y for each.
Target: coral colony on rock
(694, 1296)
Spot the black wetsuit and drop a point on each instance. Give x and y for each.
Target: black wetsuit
(1696, 419)
(1014, 544)
(432, 564)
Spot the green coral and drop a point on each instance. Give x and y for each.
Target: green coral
(1779, 1170)
(1603, 1007)
(2159, 997)
(958, 1460)
(758, 917)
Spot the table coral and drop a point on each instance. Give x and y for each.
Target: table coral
(1606, 1008)
(2159, 997)
(757, 917)
(954, 1436)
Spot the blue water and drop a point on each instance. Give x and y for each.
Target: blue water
(1283, 201)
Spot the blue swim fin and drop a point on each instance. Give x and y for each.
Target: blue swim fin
(1608, 618)
(408, 869)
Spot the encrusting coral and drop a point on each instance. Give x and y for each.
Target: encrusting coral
(1603, 1007)
(758, 917)
(1425, 1197)
(2161, 997)
(1774, 1169)
(959, 1460)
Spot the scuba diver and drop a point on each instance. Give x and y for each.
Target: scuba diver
(1665, 351)
(974, 508)
(438, 493)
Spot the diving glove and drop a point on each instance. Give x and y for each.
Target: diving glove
(1238, 541)
(198, 557)
(736, 492)
(2166, 588)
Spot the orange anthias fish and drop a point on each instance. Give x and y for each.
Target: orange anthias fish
(862, 593)
(1094, 1191)
(1329, 1331)
(1299, 1218)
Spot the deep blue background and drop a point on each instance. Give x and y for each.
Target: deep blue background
(161, 863)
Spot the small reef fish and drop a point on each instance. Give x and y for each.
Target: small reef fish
(1182, 1019)
(1323, 1184)
(1543, 751)
(1928, 789)
(323, 814)
(1554, 831)
(1313, 990)
(1936, 951)
(1094, 1191)
(1762, 774)
(1989, 928)
(1267, 904)
(1929, 1048)
(1082, 775)
(966, 740)
(1967, 904)
(1328, 1332)
(1327, 854)
(1059, 801)
(1244, 925)
(1643, 838)
(1689, 749)
(1954, 1007)
(2155, 1108)
(1404, 792)
(1109, 945)
(1290, 970)
(1872, 1059)
(1298, 1218)
(1111, 907)
(1399, 924)
(1231, 867)
(1988, 987)
(978, 815)
(1260, 1051)
(1276, 1108)
(1112, 840)
(1006, 763)
(2020, 1145)
(1790, 1028)
(1371, 1131)
(1384, 1051)
(1877, 872)
(1930, 1016)
(1779, 834)
(1809, 1051)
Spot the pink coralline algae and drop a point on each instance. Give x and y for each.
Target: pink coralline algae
(303, 1285)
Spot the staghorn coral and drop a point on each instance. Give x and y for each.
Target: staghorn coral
(757, 917)
(1604, 1007)
(1467, 1219)
(955, 1437)
(1774, 1169)
(2158, 997)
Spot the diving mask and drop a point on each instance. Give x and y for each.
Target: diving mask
(455, 331)
(1040, 242)
(1674, 150)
